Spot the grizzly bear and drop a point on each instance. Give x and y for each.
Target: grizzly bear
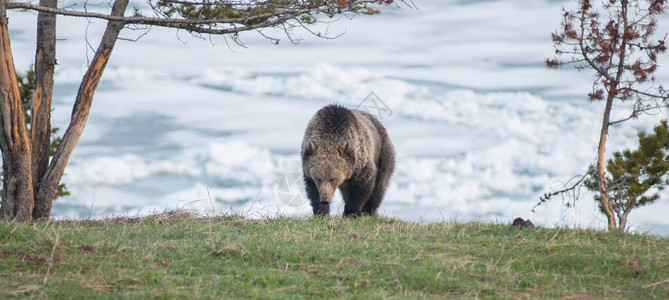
(350, 150)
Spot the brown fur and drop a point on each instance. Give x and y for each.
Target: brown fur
(350, 150)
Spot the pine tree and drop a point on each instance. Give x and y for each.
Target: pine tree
(635, 176)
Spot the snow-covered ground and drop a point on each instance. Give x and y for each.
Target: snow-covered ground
(481, 128)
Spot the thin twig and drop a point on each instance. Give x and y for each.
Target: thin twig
(657, 283)
(53, 252)
(635, 114)
(571, 188)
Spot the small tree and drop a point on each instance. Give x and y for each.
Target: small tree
(620, 46)
(31, 178)
(634, 173)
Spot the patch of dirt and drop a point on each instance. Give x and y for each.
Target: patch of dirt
(28, 258)
(479, 278)
(582, 296)
(349, 261)
(638, 268)
(165, 264)
(87, 248)
(353, 235)
(364, 284)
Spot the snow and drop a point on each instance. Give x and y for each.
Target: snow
(481, 128)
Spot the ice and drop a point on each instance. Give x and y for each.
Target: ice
(481, 128)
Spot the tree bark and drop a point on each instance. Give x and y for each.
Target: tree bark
(82, 106)
(622, 217)
(612, 92)
(45, 60)
(17, 196)
(601, 150)
(623, 222)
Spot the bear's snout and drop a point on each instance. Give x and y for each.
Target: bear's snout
(325, 200)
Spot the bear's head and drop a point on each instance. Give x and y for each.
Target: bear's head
(328, 166)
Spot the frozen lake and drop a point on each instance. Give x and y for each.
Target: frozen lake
(481, 128)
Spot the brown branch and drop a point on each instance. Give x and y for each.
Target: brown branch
(151, 20)
(192, 28)
(636, 112)
(632, 116)
(194, 25)
(637, 22)
(644, 93)
(166, 21)
(45, 60)
(192, 3)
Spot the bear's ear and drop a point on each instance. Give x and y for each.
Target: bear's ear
(343, 149)
(310, 149)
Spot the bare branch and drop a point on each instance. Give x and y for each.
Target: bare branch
(636, 112)
(583, 51)
(567, 189)
(636, 91)
(141, 35)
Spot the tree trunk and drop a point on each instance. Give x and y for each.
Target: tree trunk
(30, 181)
(82, 106)
(45, 60)
(17, 196)
(622, 216)
(612, 92)
(622, 223)
(601, 171)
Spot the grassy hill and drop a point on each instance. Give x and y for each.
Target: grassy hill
(176, 255)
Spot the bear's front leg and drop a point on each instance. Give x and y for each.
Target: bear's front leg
(312, 193)
(355, 194)
(320, 209)
(352, 210)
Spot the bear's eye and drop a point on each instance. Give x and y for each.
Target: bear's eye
(319, 180)
(331, 179)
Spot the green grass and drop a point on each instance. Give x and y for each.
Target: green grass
(179, 256)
